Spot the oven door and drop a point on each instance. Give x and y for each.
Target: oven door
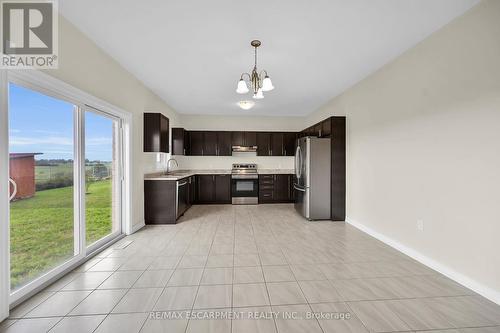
(244, 190)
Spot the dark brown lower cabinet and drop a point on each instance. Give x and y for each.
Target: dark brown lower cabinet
(281, 188)
(223, 189)
(205, 188)
(214, 189)
(159, 201)
(276, 188)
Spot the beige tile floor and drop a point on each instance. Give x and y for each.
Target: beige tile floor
(313, 276)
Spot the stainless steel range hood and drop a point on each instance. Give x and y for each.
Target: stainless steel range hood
(244, 149)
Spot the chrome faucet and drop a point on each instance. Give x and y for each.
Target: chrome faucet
(172, 159)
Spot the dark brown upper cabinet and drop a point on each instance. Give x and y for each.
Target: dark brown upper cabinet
(326, 128)
(244, 139)
(263, 144)
(196, 143)
(289, 143)
(209, 143)
(156, 127)
(224, 144)
(318, 128)
(180, 141)
(238, 139)
(250, 138)
(276, 144)
(219, 143)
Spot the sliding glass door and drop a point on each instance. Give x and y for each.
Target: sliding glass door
(65, 176)
(42, 173)
(102, 177)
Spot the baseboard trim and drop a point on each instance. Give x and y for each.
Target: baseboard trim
(136, 227)
(466, 281)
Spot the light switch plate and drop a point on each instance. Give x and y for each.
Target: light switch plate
(420, 225)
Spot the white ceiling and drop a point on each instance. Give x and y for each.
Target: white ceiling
(192, 52)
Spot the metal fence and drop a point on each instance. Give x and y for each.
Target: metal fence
(61, 175)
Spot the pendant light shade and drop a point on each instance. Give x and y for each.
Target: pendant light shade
(259, 94)
(242, 87)
(267, 85)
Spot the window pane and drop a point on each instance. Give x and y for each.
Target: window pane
(41, 171)
(101, 176)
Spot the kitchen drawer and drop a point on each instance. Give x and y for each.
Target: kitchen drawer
(266, 196)
(263, 187)
(266, 177)
(266, 182)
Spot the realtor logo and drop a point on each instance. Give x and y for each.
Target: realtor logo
(29, 34)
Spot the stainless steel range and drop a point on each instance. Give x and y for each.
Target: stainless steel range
(244, 184)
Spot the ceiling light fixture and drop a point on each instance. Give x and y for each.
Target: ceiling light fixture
(259, 82)
(246, 105)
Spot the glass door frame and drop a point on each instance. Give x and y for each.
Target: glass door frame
(46, 84)
(106, 239)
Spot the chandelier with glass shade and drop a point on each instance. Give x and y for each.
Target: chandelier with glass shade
(258, 81)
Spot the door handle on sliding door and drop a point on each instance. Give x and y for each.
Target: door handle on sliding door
(14, 192)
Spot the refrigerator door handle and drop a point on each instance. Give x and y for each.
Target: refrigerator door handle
(298, 166)
(298, 188)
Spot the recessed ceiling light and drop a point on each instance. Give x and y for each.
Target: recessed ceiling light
(246, 105)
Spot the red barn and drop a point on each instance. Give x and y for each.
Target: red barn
(22, 172)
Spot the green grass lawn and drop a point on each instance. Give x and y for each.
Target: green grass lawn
(41, 228)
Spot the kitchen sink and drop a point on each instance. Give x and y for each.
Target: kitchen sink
(176, 173)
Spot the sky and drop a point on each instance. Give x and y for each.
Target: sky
(42, 124)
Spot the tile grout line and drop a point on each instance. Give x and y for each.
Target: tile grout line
(203, 271)
(265, 283)
(110, 312)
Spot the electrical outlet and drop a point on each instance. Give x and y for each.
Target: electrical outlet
(420, 225)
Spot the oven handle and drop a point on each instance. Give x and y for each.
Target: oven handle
(244, 177)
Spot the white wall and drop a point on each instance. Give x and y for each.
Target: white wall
(239, 123)
(424, 143)
(85, 66)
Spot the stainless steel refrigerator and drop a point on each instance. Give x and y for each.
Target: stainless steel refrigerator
(312, 181)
